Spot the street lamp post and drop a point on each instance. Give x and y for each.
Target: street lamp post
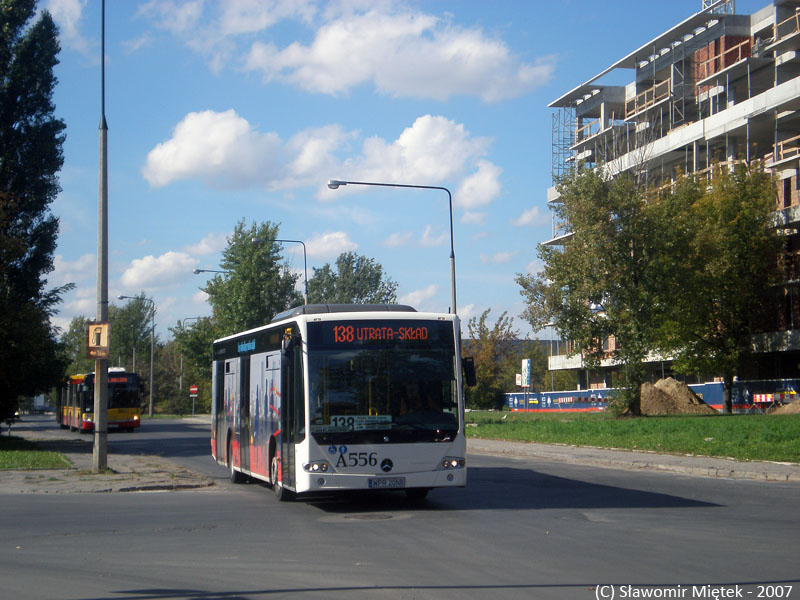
(335, 183)
(198, 271)
(305, 261)
(152, 342)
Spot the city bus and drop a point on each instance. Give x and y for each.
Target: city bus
(342, 397)
(75, 404)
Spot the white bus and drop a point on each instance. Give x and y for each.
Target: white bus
(342, 397)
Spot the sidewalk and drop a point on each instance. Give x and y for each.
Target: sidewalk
(630, 459)
(126, 472)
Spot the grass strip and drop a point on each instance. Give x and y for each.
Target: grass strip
(19, 454)
(743, 437)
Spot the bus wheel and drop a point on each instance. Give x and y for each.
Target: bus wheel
(236, 476)
(281, 493)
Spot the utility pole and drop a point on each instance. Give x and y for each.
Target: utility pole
(100, 451)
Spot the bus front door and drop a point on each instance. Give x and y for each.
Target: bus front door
(293, 409)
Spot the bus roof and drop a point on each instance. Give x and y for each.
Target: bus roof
(316, 309)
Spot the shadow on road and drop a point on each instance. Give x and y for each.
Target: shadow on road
(504, 488)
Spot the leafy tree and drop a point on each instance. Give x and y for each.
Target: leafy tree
(356, 280)
(256, 286)
(604, 281)
(131, 326)
(497, 357)
(194, 344)
(726, 280)
(74, 341)
(31, 140)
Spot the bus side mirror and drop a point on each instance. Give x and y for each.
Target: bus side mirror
(468, 364)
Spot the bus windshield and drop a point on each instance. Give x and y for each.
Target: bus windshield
(123, 391)
(382, 381)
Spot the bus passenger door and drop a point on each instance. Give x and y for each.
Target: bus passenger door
(231, 409)
(244, 413)
(293, 411)
(218, 420)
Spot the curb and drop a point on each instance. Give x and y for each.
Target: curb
(632, 459)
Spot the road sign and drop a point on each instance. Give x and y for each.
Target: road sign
(97, 340)
(193, 391)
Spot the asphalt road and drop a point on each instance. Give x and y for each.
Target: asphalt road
(521, 529)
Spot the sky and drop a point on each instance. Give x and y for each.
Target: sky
(220, 111)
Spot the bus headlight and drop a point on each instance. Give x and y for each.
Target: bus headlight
(452, 462)
(317, 466)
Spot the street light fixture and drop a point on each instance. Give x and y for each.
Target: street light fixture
(305, 261)
(152, 341)
(198, 271)
(334, 184)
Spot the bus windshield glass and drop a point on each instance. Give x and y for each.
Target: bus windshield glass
(123, 390)
(374, 381)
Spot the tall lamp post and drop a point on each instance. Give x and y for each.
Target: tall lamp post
(100, 447)
(334, 184)
(152, 342)
(305, 261)
(198, 271)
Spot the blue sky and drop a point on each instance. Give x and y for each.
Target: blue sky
(243, 109)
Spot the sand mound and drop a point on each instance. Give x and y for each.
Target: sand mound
(671, 397)
(788, 409)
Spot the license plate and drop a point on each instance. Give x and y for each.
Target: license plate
(387, 483)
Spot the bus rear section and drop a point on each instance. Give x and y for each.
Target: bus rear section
(340, 398)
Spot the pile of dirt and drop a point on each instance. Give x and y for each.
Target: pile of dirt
(792, 408)
(671, 397)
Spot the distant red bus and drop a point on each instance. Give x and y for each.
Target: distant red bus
(75, 406)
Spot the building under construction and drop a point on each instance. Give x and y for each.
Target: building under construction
(713, 90)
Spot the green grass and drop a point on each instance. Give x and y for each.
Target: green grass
(19, 454)
(743, 437)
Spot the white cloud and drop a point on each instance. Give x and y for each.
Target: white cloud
(418, 297)
(480, 188)
(151, 272)
(398, 240)
(213, 242)
(430, 239)
(496, 259)
(403, 54)
(312, 152)
(68, 15)
(433, 149)
(330, 245)
(179, 17)
(474, 218)
(65, 271)
(465, 313)
(532, 216)
(534, 267)
(221, 148)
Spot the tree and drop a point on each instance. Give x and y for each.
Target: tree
(131, 327)
(194, 344)
(74, 342)
(356, 280)
(727, 278)
(31, 140)
(605, 281)
(497, 359)
(256, 285)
